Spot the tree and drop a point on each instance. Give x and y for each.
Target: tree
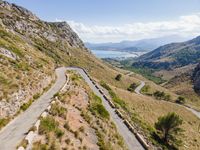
(167, 97)
(118, 77)
(168, 128)
(132, 87)
(180, 100)
(159, 95)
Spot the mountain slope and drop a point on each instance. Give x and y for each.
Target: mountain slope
(196, 79)
(31, 49)
(171, 55)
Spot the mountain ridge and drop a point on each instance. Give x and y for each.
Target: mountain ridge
(138, 45)
(171, 55)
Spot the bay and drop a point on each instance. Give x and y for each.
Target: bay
(115, 54)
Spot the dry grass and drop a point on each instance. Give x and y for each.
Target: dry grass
(169, 74)
(149, 110)
(186, 89)
(82, 129)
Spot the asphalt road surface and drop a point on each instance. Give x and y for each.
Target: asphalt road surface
(129, 138)
(195, 112)
(15, 131)
(138, 89)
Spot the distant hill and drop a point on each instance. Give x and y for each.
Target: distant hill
(171, 56)
(135, 46)
(196, 79)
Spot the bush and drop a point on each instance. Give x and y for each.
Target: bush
(57, 110)
(118, 77)
(3, 122)
(168, 129)
(36, 96)
(132, 87)
(66, 126)
(145, 89)
(25, 106)
(76, 134)
(67, 141)
(99, 110)
(59, 133)
(39, 146)
(161, 96)
(47, 125)
(180, 100)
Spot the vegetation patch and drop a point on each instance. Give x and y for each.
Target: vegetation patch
(118, 77)
(114, 97)
(168, 129)
(132, 87)
(180, 100)
(146, 90)
(57, 110)
(25, 106)
(97, 108)
(147, 73)
(161, 95)
(3, 122)
(47, 125)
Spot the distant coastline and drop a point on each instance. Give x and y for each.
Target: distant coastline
(116, 54)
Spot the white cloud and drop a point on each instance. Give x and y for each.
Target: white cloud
(185, 26)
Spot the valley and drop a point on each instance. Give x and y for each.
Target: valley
(56, 94)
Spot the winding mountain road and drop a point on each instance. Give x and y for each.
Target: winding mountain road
(15, 131)
(138, 89)
(195, 112)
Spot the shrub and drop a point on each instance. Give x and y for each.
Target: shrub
(39, 146)
(97, 108)
(57, 110)
(47, 125)
(59, 133)
(67, 141)
(168, 128)
(161, 96)
(3, 122)
(56, 95)
(118, 77)
(167, 97)
(76, 134)
(25, 106)
(145, 89)
(180, 100)
(36, 96)
(132, 87)
(66, 126)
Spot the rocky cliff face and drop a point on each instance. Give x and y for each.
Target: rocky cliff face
(21, 20)
(196, 79)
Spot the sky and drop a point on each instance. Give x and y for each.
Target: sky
(117, 20)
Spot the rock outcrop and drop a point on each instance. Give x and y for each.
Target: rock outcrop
(23, 21)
